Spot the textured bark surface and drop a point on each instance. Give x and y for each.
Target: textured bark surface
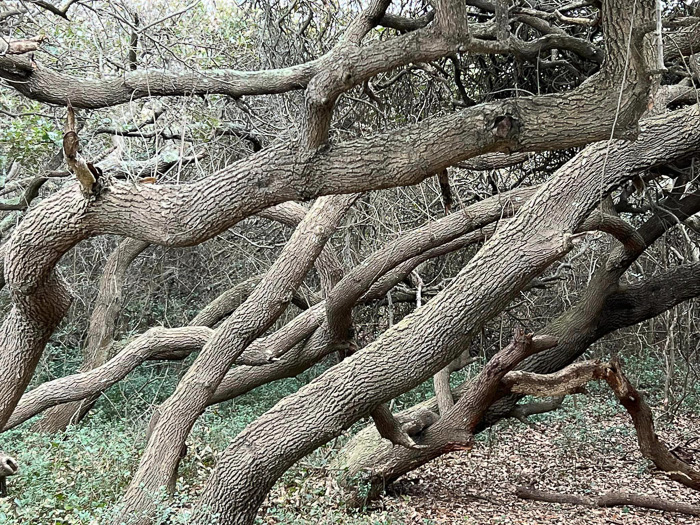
(422, 45)
(594, 316)
(538, 237)
(191, 213)
(575, 331)
(174, 418)
(454, 430)
(266, 357)
(156, 343)
(412, 244)
(606, 105)
(101, 332)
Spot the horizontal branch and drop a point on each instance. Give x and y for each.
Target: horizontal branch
(569, 380)
(46, 85)
(610, 499)
(265, 360)
(19, 47)
(348, 65)
(75, 387)
(576, 376)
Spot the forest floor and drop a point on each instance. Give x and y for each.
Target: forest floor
(480, 487)
(587, 447)
(582, 450)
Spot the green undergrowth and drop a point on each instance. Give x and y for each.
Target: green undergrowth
(77, 477)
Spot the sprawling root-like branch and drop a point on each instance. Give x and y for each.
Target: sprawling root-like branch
(604, 307)
(569, 380)
(427, 340)
(455, 429)
(153, 343)
(649, 443)
(469, 410)
(572, 378)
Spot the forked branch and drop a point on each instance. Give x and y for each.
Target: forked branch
(574, 377)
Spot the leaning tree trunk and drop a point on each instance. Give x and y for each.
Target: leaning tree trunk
(427, 340)
(102, 326)
(190, 213)
(173, 420)
(604, 308)
(101, 332)
(284, 353)
(183, 215)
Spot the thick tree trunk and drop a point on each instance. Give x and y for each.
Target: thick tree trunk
(604, 307)
(174, 418)
(102, 326)
(428, 339)
(256, 368)
(604, 106)
(369, 282)
(367, 453)
(187, 214)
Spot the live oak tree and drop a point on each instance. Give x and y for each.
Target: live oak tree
(593, 102)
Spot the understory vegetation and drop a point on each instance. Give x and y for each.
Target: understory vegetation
(76, 477)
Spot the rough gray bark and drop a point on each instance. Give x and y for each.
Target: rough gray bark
(189, 214)
(605, 307)
(422, 45)
(427, 340)
(368, 282)
(442, 231)
(175, 417)
(280, 354)
(156, 343)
